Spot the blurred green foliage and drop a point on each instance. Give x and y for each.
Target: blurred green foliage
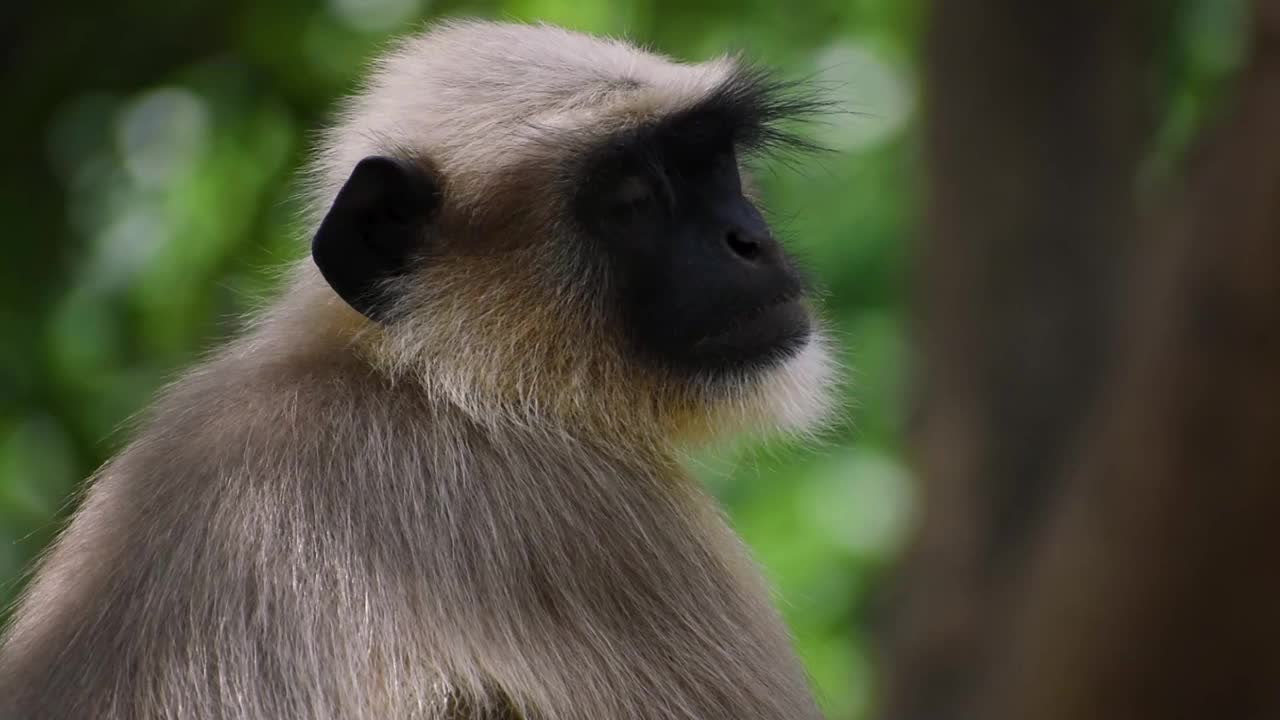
(147, 205)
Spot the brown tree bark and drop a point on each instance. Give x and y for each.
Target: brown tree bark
(1099, 435)
(1157, 591)
(1034, 122)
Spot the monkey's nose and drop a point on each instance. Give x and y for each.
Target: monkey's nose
(756, 249)
(758, 262)
(744, 244)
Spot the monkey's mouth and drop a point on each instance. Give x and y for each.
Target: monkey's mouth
(770, 331)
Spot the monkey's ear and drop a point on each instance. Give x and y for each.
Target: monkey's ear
(378, 222)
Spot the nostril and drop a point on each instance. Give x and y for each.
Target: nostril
(744, 246)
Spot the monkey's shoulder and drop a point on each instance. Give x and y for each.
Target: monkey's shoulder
(302, 434)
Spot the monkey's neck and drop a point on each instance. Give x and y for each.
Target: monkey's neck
(425, 553)
(566, 576)
(587, 585)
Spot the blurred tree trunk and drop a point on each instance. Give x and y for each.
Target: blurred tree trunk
(1099, 434)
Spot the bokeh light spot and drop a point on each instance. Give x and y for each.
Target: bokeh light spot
(162, 134)
(376, 16)
(873, 98)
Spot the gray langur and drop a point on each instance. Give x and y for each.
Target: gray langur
(439, 477)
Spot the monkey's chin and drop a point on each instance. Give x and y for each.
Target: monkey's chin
(792, 395)
(798, 393)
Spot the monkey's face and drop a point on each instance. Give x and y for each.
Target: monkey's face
(700, 283)
(577, 267)
(694, 281)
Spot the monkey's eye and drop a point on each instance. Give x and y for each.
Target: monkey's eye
(632, 195)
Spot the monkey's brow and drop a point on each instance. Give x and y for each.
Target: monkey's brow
(752, 109)
(761, 109)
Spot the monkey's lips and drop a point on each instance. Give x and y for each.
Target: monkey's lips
(768, 332)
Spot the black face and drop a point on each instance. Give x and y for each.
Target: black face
(702, 283)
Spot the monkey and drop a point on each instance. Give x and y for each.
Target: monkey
(442, 475)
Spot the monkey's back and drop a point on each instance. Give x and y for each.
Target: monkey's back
(306, 539)
(207, 558)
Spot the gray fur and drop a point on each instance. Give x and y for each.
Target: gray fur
(300, 531)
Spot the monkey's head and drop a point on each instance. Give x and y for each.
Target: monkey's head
(554, 228)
